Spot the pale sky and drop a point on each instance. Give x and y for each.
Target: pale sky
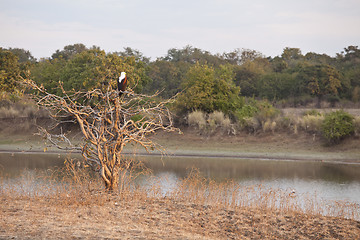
(153, 27)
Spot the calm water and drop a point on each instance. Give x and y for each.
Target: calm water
(328, 181)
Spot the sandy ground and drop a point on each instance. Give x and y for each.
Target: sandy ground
(161, 219)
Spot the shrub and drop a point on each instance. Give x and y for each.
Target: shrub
(212, 122)
(256, 115)
(246, 111)
(284, 123)
(266, 111)
(217, 117)
(337, 125)
(197, 119)
(226, 124)
(251, 124)
(312, 123)
(266, 126)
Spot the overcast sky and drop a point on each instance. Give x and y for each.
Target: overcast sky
(155, 26)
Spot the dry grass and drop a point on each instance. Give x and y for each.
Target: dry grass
(197, 119)
(209, 123)
(20, 110)
(311, 123)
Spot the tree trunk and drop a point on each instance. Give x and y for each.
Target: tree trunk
(111, 180)
(112, 184)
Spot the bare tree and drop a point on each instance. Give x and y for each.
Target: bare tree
(107, 122)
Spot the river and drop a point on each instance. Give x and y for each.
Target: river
(326, 180)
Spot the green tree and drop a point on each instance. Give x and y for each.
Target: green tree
(321, 80)
(48, 73)
(240, 56)
(208, 89)
(226, 93)
(348, 64)
(130, 52)
(316, 59)
(23, 55)
(276, 86)
(352, 53)
(69, 51)
(9, 72)
(247, 75)
(292, 56)
(90, 69)
(193, 55)
(278, 64)
(165, 77)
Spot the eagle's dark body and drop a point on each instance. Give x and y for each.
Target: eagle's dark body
(122, 83)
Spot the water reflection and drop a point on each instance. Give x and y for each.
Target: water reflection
(11, 164)
(327, 180)
(259, 170)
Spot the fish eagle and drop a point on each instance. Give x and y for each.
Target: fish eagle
(122, 82)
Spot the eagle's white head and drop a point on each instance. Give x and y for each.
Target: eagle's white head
(122, 76)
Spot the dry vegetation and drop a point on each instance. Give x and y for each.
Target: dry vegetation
(293, 121)
(195, 209)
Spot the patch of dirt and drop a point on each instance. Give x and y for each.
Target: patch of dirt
(25, 218)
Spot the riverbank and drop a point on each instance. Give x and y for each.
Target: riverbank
(279, 146)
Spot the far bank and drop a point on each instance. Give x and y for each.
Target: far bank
(281, 146)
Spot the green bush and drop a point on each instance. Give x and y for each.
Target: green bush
(337, 125)
(246, 111)
(266, 111)
(262, 110)
(256, 115)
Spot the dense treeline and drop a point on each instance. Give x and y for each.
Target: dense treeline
(233, 92)
(206, 81)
